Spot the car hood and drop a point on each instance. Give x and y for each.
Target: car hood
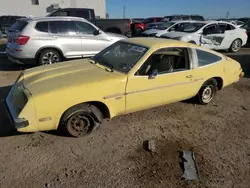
(174, 34)
(64, 75)
(150, 31)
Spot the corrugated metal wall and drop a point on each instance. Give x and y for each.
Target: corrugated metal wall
(25, 7)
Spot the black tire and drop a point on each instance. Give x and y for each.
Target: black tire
(235, 46)
(211, 88)
(56, 58)
(81, 120)
(192, 42)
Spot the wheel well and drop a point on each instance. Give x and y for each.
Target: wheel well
(192, 42)
(47, 48)
(113, 30)
(219, 82)
(101, 106)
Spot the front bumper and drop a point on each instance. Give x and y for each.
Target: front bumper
(15, 122)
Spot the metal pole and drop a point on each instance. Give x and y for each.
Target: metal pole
(124, 12)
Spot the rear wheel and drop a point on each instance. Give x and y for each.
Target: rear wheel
(236, 45)
(81, 120)
(207, 92)
(48, 57)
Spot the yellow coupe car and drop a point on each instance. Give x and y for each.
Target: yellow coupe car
(128, 76)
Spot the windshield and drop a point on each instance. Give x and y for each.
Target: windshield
(189, 27)
(166, 25)
(121, 56)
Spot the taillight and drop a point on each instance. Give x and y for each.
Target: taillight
(22, 40)
(129, 24)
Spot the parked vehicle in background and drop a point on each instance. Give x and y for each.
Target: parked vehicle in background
(128, 76)
(233, 21)
(138, 28)
(246, 26)
(164, 28)
(212, 35)
(119, 26)
(154, 25)
(180, 17)
(6, 22)
(245, 20)
(137, 20)
(41, 41)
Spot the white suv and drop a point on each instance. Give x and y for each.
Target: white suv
(216, 35)
(49, 40)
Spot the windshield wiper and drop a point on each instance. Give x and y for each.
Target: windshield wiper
(108, 67)
(111, 67)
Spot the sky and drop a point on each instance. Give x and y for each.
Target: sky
(208, 8)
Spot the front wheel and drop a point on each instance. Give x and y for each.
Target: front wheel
(236, 45)
(207, 92)
(81, 120)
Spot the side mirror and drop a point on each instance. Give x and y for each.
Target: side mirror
(153, 74)
(96, 32)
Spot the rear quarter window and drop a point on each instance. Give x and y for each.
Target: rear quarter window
(206, 58)
(18, 26)
(42, 27)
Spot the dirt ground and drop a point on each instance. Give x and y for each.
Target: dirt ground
(113, 156)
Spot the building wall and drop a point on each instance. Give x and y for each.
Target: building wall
(25, 7)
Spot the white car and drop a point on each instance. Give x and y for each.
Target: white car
(216, 35)
(164, 28)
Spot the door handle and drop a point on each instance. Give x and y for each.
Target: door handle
(189, 76)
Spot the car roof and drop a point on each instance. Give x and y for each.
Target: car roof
(155, 42)
(52, 18)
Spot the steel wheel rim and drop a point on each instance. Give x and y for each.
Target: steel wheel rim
(50, 58)
(207, 94)
(80, 124)
(236, 45)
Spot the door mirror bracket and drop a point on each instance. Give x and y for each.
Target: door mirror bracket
(96, 32)
(153, 74)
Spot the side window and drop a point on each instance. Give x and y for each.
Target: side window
(230, 27)
(42, 27)
(185, 18)
(68, 27)
(206, 58)
(166, 61)
(209, 29)
(83, 14)
(176, 18)
(64, 13)
(159, 19)
(84, 28)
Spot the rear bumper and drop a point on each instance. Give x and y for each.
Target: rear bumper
(21, 61)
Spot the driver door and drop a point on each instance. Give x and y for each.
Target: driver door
(212, 37)
(92, 41)
(160, 81)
